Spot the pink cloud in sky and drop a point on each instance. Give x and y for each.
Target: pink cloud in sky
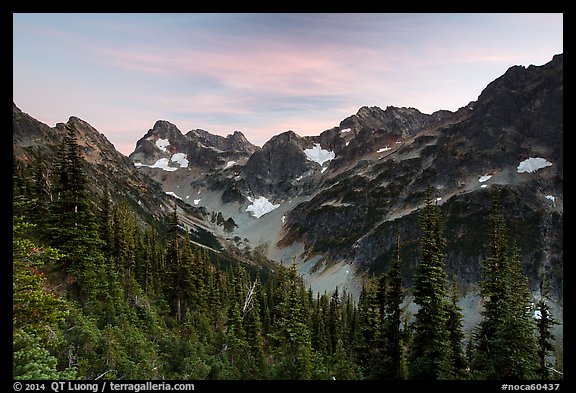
(261, 73)
(270, 66)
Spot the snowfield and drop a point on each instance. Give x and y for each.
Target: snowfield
(319, 155)
(162, 144)
(181, 159)
(260, 206)
(163, 163)
(533, 164)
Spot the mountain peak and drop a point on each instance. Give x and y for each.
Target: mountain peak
(164, 128)
(399, 121)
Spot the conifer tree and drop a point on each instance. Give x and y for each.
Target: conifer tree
(350, 322)
(124, 240)
(457, 362)
(430, 347)
(493, 292)
(72, 225)
(318, 329)
(505, 344)
(334, 323)
(151, 271)
(253, 328)
(174, 272)
(392, 308)
(368, 329)
(294, 354)
(516, 343)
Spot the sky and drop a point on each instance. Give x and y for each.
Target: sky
(262, 74)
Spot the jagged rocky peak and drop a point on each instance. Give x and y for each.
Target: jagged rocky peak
(164, 128)
(524, 81)
(160, 141)
(525, 104)
(27, 131)
(282, 139)
(399, 121)
(282, 155)
(164, 135)
(234, 142)
(237, 141)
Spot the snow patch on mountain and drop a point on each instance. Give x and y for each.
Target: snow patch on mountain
(230, 164)
(172, 194)
(319, 155)
(162, 144)
(162, 163)
(532, 164)
(260, 206)
(181, 159)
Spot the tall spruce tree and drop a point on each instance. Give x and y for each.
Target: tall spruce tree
(505, 344)
(366, 339)
(294, 353)
(392, 308)
(72, 225)
(493, 292)
(174, 272)
(517, 346)
(457, 361)
(430, 346)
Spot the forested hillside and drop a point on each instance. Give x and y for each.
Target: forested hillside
(98, 294)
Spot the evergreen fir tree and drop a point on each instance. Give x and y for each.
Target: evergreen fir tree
(516, 342)
(392, 322)
(493, 291)
(366, 346)
(318, 330)
(505, 345)
(294, 354)
(457, 361)
(72, 225)
(430, 347)
(334, 325)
